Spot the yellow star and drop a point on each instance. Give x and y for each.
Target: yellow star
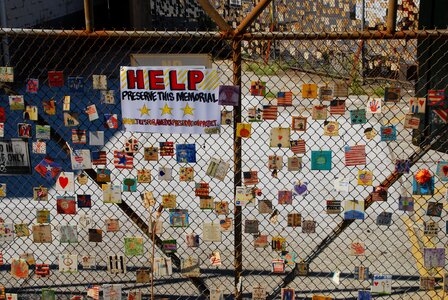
(188, 110)
(144, 110)
(166, 110)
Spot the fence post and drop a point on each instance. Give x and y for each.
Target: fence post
(238, 247)
(391, 16)
(88, 14)
(4, 24)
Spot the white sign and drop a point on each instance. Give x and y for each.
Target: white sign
(170, 100)
(14, 157)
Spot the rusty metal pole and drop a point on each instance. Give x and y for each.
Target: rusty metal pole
(242, 27)
(88, 14)
(214, 15)
(237, 178)
(252, 36)
(391, 16)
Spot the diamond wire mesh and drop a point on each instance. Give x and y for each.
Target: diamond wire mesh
(79, 56)
(389, 249)
(338, 15)
(321, 15)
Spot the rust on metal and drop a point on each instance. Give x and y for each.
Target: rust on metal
(347, 35)
(237, 173)
(250, 18)
(343, 35)
(215, 16)
(391, 16)
(88, 15)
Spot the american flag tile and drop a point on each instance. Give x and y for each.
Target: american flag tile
(123, 160)
(166, 148)
(270, 112)
(99, 158)
(355, 155)
(284, 98)
(250, 177)
(298, 147)
(436, 97)
(93, 292)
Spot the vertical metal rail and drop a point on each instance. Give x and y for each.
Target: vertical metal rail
(362, 42)
(88, 15)
(4, 24)
(237, 178)
(391, 16)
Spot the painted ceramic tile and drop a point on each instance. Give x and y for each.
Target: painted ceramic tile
(373, 105)
(133, 246)
(16, 102)
(217, 168)
(68, 263)
(321, 160)
(243, 130)
(68, 234)
(358, 116)
(280, 137)
(229, 95)
(388, 133)
(354, 209)
(258, 88)
(32, 85)
(309, 90)
(179, 218)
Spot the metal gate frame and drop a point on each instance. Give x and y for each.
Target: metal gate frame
(236, 37)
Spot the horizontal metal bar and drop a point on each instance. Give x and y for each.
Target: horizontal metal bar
(345, 35)
(110, 33)
(349, 35)
(35, 288)
(209, 272)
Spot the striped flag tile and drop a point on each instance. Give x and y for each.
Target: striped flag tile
(250, 177)
(355, 155)
(99, 158)
(337, 107)
(284, 99)
(123, 160)
(298, 147)
(437, 98)
(269, 112)
(442, 114)
(166, 148)
(93, 292)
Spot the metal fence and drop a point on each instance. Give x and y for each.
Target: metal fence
(295, 231)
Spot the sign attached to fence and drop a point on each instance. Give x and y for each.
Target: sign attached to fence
(14, 157)
(170, 100)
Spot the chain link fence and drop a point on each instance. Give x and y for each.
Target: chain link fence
(301, 185)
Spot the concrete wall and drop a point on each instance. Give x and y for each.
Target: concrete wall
(28, 13)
